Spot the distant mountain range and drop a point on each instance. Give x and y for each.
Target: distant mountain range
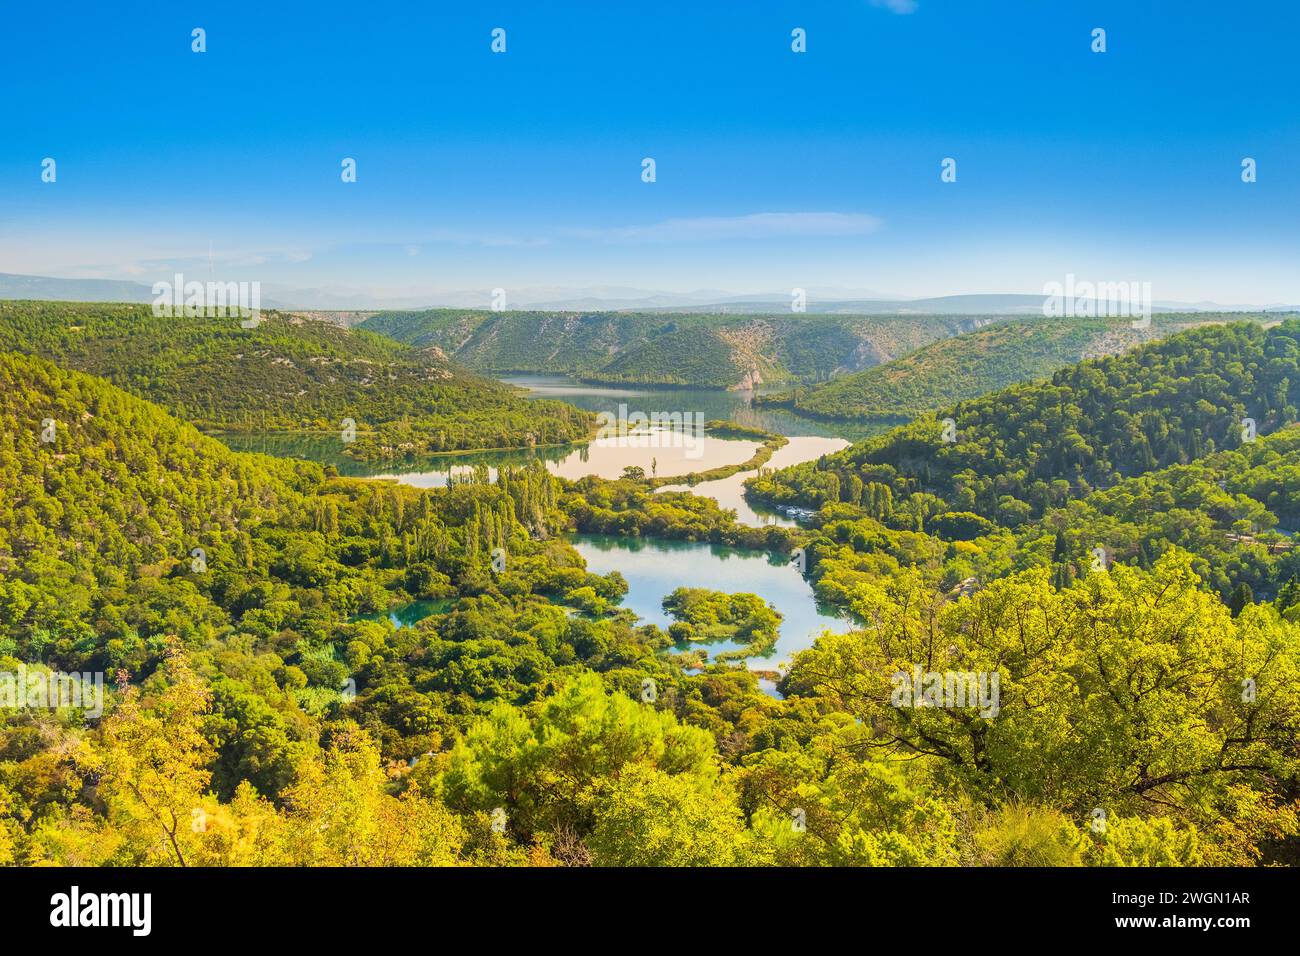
(602, 299)
(692, 348)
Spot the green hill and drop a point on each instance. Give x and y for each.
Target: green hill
(74, 447)
(97, 515)
(1228, 509)
(688, 356)
(289, 374)
(1023, 449)
(974, 363)
(701, 350)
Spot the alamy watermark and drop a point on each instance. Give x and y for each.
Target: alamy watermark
(1073, 299)
(654, 430)
(949, 690)
(75, 908)
(242, 300)
(51, 690)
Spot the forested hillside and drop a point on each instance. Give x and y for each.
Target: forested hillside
(258, 713)
(975, 363)
(289, 373)
(1236, 511)
(1014, 453)
(218, 591)
(703, 350)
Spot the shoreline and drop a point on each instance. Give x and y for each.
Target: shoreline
(324, 433)
(770, 442)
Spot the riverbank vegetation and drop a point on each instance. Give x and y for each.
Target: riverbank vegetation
(627, 507)
(720, 429)
(705, 616)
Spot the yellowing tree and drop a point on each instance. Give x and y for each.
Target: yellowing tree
(834, 804)
(151, 765)
(546, 769)
(340, 813)
(650, 818)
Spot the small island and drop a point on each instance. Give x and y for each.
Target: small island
(703, 615)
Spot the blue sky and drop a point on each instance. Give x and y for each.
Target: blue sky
(774, 169)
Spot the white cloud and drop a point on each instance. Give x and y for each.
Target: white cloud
(761, 225)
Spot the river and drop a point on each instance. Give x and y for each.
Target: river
(658, 452)
(655, 567)
(711, 403)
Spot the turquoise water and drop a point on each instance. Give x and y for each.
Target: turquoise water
(328, 450)
(407, 615)
(730, 492)
(655, 567)
(656, 451)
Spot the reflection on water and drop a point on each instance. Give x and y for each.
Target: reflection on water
(658, 453)
(730, 492)
(575, 392)
(713, 403)
(407, 615)
(328, 450)
(654, 568)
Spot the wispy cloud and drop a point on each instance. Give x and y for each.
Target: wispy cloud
(762, 225)
(473, 238)
(896, 6)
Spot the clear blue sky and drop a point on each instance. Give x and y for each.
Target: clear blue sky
(775, 169)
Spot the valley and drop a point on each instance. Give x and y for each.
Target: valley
(700, 350)
(655, 454)
(311, 622)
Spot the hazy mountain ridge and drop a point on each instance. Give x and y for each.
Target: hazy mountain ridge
(592, 299)
(692, 349)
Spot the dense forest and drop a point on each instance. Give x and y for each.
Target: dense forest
(975, 363)
(290, 374)
(260, 711)
(1012, 454)
(688, 349)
